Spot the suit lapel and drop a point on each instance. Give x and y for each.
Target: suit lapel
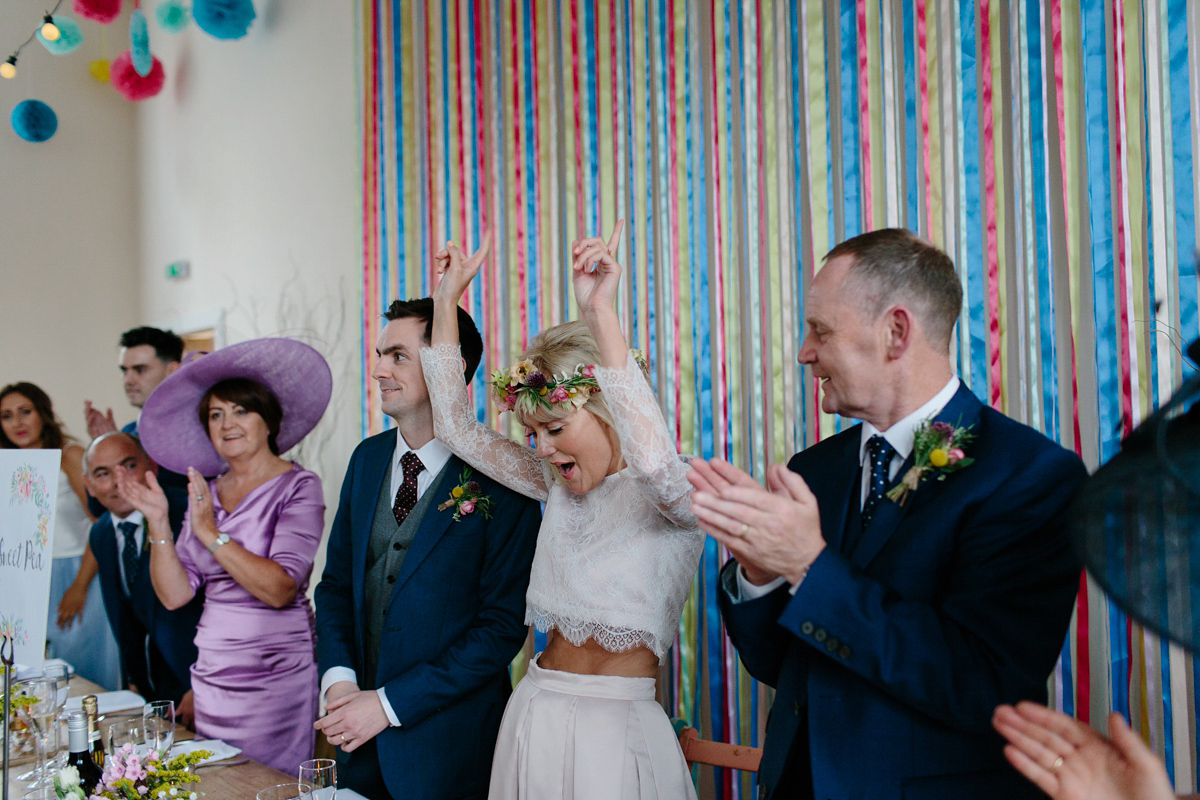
(836, 482)
(962, 411)
(373, 472)
(434, 524)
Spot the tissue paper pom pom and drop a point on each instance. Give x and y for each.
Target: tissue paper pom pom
(139, 43)
(69, 36)
(34, 121)
(172, 16)
(136, 87)
(224, 19)
(99, 69)
(103, 11)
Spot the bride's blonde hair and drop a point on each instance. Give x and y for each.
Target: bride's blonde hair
(557, 351)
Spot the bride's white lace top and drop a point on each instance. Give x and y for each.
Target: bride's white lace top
(615, 564)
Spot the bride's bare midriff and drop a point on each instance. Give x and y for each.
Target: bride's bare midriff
(590, 658)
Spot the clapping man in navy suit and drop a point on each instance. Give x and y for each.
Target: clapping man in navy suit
(899, 580)
(157, 646)
(422, 603)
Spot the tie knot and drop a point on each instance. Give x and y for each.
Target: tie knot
(128, 528)
(411, 463)
(880, 450)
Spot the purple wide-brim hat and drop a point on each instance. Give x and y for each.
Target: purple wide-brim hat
(295, 373)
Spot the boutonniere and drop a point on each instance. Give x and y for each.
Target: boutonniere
(937, 449)
(467, 498)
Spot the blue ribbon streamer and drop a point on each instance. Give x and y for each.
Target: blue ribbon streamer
(1185, 201)
(851, 142)
(976, 264)
(911, 93)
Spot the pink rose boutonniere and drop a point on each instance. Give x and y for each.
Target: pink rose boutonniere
(938, 449)
(467, 498)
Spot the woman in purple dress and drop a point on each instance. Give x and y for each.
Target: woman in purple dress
(248, 539)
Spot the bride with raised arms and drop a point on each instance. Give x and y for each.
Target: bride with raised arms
(616, 551)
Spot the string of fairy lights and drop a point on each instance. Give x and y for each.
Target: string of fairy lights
(137, 74)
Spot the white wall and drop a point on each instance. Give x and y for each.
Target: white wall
(68, 225)
(248, 168)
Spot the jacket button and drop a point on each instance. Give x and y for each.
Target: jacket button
(820, 635)
(845, 652)
(831, 645)
(397, 546)
(763, 792)
(796, 707)
(391, 579)
(806, 628)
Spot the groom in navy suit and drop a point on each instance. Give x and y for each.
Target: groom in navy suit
(419, 615)
(157, 646)
(892, 623)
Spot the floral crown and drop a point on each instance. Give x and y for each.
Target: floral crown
(525, 388)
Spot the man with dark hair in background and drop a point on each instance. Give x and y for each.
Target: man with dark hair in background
(420, 610)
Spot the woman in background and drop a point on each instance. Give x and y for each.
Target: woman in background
(248, 540)
(77, 629)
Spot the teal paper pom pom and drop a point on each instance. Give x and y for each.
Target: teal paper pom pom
(69, 36)
(34, 121)
(172, 16)
(139, 43)
(224, 19)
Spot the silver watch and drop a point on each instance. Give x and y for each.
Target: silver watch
(222, 538)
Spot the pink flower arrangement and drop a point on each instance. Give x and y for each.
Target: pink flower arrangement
(128, 776)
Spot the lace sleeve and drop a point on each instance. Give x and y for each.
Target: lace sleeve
(645, 443)
(454, 424)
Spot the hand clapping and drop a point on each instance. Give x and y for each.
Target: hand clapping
(147, 497)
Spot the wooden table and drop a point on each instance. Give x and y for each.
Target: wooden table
(236, 782)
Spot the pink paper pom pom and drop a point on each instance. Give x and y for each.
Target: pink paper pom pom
(103, 11)
(135, 87)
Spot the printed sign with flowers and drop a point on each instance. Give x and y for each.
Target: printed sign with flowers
(28, 485)
(13, 627)
(467, 498)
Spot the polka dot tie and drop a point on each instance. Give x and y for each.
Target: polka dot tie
(129, 554)
(881, 460)
(406, 495)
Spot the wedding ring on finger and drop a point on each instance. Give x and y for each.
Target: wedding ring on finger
(1058, 762)
(743, 530)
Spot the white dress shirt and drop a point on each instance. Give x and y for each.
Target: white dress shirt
(433, 455)
(139, 536)
(901, 437)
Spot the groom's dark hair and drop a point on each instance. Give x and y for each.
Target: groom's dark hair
(468, 335)
(894, 264)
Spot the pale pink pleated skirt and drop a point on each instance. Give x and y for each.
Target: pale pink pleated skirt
(587, 737)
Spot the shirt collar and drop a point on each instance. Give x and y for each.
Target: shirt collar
(901, 435)
(433, 454)
(135, 517)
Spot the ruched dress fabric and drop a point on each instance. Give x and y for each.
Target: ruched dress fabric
(614, 565)
(255, 679)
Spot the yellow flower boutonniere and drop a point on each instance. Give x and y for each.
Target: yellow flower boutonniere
(938, 447)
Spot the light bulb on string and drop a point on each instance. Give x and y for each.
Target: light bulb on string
(9, 68)
(49, 29)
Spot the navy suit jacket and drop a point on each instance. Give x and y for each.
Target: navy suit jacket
(454, 622)
(157, 646)
(896, 651)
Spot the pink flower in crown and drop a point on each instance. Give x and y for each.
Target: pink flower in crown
(559, 395)
(510, 402)
(589, 371)
(466, 507)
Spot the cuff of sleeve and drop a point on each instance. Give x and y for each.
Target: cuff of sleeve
(336, 675)
(749, 591)
(387, 708)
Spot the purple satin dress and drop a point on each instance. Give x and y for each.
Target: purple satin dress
(255, 680)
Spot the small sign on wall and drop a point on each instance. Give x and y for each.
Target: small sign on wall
(28, 488)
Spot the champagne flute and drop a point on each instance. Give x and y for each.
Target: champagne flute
(60, 674)
(158, 718)
(286, 791)
(321, 774)
(130, 732)
(39, 716)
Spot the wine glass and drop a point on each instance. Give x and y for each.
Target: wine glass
(130, 732)
(158, 720)
(60, 674)
(321, 774)
(40, 716)
(286, 791)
